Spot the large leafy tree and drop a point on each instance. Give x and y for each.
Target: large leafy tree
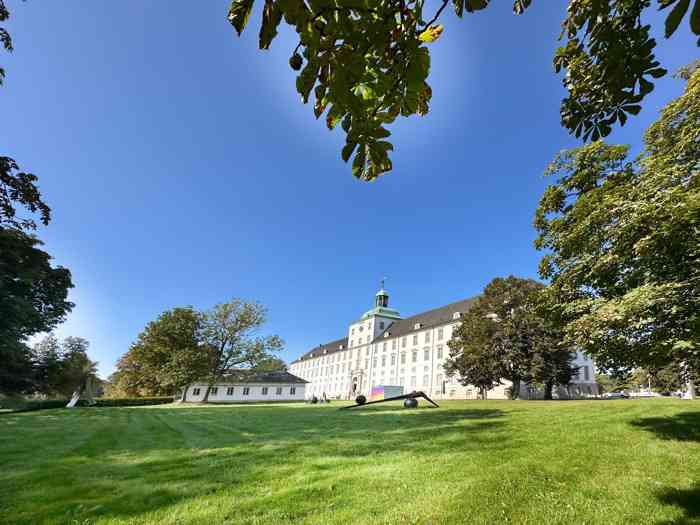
(77, 367)
(61, 367)
(48, 356)
(33, 294)
(623, 243)
(510, 303)
(472, 352)
(529, 342)
(510, 332)
(167, 355)
(16, 368)
(231, 334)
(367, 61)
(183, 346)
(33, 299)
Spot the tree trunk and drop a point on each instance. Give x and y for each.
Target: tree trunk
(183, 396)
(515, 389)
(483, 393)
(548, 386)
(690, 390)
(206, 394)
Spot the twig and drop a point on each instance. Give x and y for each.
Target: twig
(437, 15)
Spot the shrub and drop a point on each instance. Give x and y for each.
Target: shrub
(35, 404)
(132, 401)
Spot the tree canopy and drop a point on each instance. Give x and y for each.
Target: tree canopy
(50, 368)
(183, 346)
(167, 355)
(623, 243)
(230, 332)
(33, 299)
(508, 334)
(367, 62)
(62, 366)
(17, 187)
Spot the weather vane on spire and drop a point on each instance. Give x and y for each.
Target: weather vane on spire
(382, 283)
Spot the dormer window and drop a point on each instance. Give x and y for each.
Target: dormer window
(340, 347)
(386, 334)
(325, 351)
(456, 315)
(417, 326)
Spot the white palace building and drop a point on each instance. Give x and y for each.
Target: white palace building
(382, 348)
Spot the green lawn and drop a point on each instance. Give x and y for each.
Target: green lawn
(468, 462)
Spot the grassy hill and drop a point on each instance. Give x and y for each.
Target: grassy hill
(467, 462)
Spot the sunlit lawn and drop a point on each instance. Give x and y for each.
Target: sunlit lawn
(468, 462)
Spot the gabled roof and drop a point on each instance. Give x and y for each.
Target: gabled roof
(429, 319)
(400, 327)
(324, 349)
(243, 376)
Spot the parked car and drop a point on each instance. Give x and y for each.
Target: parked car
(615, 395)
(645, 393)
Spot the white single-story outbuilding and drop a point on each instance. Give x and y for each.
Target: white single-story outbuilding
(245, 387)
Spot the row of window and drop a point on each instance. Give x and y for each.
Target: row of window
(411, 381)
(583, 374)
(342, 367)
(246, 391)
(349, 354)
(404, 339)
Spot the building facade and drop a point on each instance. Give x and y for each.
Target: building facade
(271, 386)
(382, 348)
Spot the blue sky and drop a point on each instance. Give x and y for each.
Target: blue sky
(183, 169)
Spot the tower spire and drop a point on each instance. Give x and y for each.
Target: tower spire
(381, 299)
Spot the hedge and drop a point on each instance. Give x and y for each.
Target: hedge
(41, 404)
(132, 401)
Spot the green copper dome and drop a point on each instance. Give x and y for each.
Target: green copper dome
(381, 311)
(381, 306)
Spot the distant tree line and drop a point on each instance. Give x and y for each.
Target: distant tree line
(49, 369)
(184, 345)
(666, 380)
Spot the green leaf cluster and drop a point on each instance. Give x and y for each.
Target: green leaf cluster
(365, 63)
(361, 61)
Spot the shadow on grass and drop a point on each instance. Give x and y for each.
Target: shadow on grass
(125, 463)
(687, 500)
(680, 427)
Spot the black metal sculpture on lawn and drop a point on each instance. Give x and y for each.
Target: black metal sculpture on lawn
(361, 401)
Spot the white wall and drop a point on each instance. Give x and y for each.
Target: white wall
(331, 373)
(255, 392)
